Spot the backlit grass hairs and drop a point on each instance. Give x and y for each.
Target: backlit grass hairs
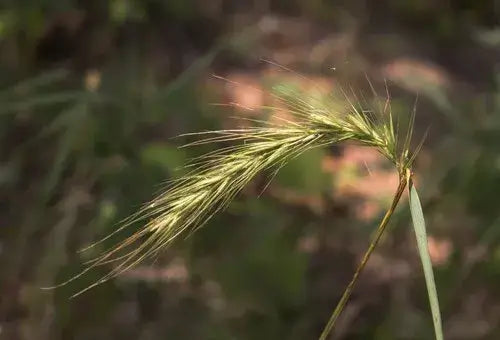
(217, 177)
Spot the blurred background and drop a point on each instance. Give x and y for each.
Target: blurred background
(92, 94)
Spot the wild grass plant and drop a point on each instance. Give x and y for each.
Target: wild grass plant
(213, 180)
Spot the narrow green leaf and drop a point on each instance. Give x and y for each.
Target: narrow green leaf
(421, 235)
(35, 83)
(40, 101)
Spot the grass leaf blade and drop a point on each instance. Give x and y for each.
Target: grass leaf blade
(421, 235)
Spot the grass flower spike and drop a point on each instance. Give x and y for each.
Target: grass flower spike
(214, 179)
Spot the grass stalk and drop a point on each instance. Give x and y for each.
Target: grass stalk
(378, 235)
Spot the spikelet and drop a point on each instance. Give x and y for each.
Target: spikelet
(216, 178)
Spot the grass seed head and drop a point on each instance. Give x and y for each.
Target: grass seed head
(216, 178)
